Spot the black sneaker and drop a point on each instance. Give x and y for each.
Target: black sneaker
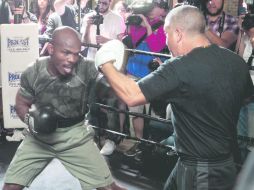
(133, 151)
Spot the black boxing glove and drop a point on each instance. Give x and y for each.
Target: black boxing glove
(41, 120)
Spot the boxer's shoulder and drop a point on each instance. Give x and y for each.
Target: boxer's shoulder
(39, 62)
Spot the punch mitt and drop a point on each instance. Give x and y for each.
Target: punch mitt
(112, 50)
(41, 120)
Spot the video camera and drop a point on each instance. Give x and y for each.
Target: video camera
(98, 18)
(133, 20)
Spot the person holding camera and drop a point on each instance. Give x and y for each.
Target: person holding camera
(101, 26)
(145, 32)
(42, 9)
(122, 9)
(63, 15)
(222, 28)
(246, 50)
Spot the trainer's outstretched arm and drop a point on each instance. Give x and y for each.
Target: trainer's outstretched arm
(109, 59)
(22, 106)
(125, 88)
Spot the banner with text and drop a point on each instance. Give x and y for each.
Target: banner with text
(19, 47)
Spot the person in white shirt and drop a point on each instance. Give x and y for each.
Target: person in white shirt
(111, 28)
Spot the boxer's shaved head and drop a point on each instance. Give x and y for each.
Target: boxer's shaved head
(65, 34)
(64, 51)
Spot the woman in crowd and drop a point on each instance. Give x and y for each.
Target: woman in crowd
(42, 10)
(145, 32)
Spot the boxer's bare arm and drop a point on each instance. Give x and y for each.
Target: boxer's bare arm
(22, 106)
(125, 88)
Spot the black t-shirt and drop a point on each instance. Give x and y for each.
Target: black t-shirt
(206, 89)
(68, 18)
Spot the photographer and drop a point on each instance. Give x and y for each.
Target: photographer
(246, 120)
(145, 30)
(222, 28)
(110, 26)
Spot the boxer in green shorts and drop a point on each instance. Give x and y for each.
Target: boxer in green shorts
(56, 88)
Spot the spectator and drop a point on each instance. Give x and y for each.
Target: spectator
(21, 9)
(81, 7)
(222, 28)
(148, 35)
(42, 9)
(85, 6)
(108, 31)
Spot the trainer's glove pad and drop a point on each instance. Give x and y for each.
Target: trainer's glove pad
(42, 120)
(112, 50)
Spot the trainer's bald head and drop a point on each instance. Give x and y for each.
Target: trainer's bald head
(65, 35)
(185, 30)
(187, 18)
